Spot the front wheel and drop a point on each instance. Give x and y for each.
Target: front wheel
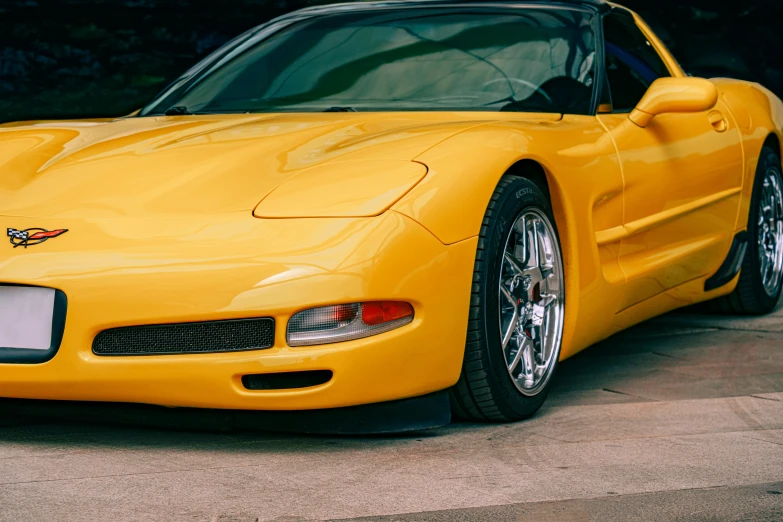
(517, 308)
(761, 278)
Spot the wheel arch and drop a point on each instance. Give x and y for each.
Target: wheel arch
(533, 171)
(543, 177)
(773, 142)
(471, 195)
(452, 201)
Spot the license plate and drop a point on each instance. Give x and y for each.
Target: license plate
(26, 317)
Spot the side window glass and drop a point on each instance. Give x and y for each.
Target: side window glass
(632, 63)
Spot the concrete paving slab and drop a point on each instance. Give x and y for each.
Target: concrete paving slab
(668, 386)
(652, 419)
(728, 369)
(736, 347)
(770, 396)
(564, 397)
(723, 343)
(773, 436)
(761, 502)
(685, 319)
(606, 448)
(613, 364)
(354, 482)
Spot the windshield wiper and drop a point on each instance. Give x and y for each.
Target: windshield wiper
(340, 109)
(179, 110)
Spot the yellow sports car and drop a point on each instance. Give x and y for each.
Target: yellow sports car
(385, 212)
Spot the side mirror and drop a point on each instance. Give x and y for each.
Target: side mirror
(670, 95)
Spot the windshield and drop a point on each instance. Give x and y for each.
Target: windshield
(533, 60)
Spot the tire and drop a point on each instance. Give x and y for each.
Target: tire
(755, 294)
(486, 390)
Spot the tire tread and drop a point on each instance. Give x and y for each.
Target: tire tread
(472, 396)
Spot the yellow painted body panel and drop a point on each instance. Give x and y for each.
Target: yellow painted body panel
(138, 271)
(342, 189)
(683, 181)
(586, 188)
(198, 218)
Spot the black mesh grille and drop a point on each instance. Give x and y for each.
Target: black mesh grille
(216, 336)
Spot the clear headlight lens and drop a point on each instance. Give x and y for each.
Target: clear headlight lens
(345, 322)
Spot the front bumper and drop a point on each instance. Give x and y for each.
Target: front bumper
(123, 272)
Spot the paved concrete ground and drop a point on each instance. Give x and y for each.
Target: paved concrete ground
(678, 419)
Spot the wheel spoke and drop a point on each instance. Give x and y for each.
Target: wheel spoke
(548, 301)
(509, 298)
(510, 331)
(770, 231)
(535, 276)
(536, 250)
(521, 228)
(512, 326)
(527, 361)
(515, 265)
(531, 316)
(770, 272)
(517, 357)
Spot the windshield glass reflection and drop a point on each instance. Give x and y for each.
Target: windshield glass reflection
(534, 60)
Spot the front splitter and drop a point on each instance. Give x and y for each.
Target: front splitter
(415, 414)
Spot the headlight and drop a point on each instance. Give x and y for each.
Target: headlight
(345, 322)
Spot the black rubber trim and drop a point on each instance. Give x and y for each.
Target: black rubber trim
(731, 265)
(21, 356)
(286, 380)
(419, 413)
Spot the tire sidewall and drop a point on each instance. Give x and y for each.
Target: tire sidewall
(518, 196)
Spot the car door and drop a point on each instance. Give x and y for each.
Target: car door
(682, 173)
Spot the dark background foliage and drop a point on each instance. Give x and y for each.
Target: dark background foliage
(86, 58)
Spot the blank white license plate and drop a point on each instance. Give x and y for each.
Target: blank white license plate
(26, 317)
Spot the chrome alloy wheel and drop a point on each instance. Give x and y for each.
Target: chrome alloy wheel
(532, 298)
(770, 231)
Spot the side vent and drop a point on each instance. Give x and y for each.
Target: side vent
(731, 265)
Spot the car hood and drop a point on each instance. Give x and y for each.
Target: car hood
(193, 164)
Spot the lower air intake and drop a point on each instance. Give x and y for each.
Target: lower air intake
(210, 337)
(286, 381)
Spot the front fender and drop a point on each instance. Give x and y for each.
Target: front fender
(585, 183)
